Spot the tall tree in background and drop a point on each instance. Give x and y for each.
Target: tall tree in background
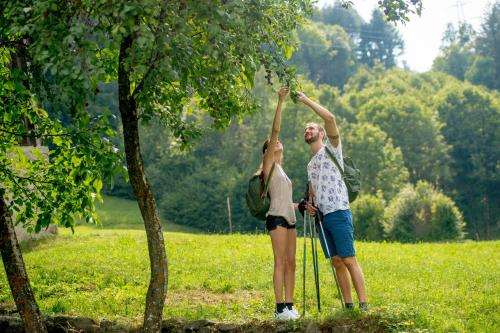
(382, 168)
(470, 55)
(379, 42)
(473, 118)
(388, 100)
(326, 54)
(488, 44)
(458, 50)
(337, 14)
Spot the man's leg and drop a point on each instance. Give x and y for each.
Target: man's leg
(357, 277)
(329, 249)
(342, 231)
(343, 278)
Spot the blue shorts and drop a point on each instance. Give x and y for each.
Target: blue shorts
(339, 234)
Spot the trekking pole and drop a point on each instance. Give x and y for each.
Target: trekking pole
(315, 260)
(331, 263)
(304, 271)
(315, 231)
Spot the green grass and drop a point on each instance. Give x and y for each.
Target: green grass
(103, 273)
(117, 213)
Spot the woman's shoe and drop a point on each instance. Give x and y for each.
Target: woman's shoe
(294, 312)
(285, 315)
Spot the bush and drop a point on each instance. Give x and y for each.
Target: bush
(423, 213)
(368, 215)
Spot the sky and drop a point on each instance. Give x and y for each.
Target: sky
(422, 35)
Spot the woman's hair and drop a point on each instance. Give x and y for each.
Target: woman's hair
(264, 148)
(265, 145)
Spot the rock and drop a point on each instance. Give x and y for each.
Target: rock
(227, 327)
(342, 328)
(107, 323)
(312, 327)
(11, 325)
(62, 324)
(196, 325)
(172, 326)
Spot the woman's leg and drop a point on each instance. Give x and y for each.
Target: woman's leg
(278, 241)
(291, 239)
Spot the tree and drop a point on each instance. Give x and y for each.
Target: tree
(38, 189)
(470, 55)
(423, 213)
(394, 10)
(337, 14)
(379, 42)
(488, 41)
(381, 164)
(397, 103)
(472, 116)
(368, 210)
(326, 54)
(480, 72)
(164, 55)
(458, 50)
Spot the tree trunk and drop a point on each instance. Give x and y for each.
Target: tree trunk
(158, 283)
(16, 274)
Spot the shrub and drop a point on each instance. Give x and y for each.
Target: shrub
(423, 213)
(368, 214)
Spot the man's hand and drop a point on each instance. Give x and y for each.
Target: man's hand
(301, 97)
(311, 209)
(282, 93)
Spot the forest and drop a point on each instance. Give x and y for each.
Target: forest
(427, 144)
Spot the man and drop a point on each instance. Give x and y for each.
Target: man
(328, 194)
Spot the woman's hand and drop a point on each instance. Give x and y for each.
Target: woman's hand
(282, 93)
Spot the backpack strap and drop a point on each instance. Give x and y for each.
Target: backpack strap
(266, 187)
(334, 160)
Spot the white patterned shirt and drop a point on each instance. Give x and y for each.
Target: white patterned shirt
(326, 180)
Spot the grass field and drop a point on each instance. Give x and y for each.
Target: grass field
(102, 272)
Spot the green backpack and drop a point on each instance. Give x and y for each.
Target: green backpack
(258, 200)
(351, 175)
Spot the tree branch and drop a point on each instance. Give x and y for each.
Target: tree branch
(154, 55)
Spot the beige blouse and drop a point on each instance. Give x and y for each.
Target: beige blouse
(280, 191)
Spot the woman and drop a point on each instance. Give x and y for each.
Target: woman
(280, 221)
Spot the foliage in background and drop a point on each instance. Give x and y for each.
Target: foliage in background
(396, 105)
(368, 213)
(394, 113)
(379, 42)
(326, 54)
(423, 213)
(414, 132)
(338, 41)
(473, 118)
(49, 188)
(473, 55)
(381, 164)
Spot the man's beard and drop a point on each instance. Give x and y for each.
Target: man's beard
(312, 138)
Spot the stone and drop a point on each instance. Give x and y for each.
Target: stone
(312, 327)
(10, 324)
(228, 327)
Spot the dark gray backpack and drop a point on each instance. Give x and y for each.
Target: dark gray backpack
(351, 175)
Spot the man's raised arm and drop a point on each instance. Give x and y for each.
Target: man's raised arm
(331, 128)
